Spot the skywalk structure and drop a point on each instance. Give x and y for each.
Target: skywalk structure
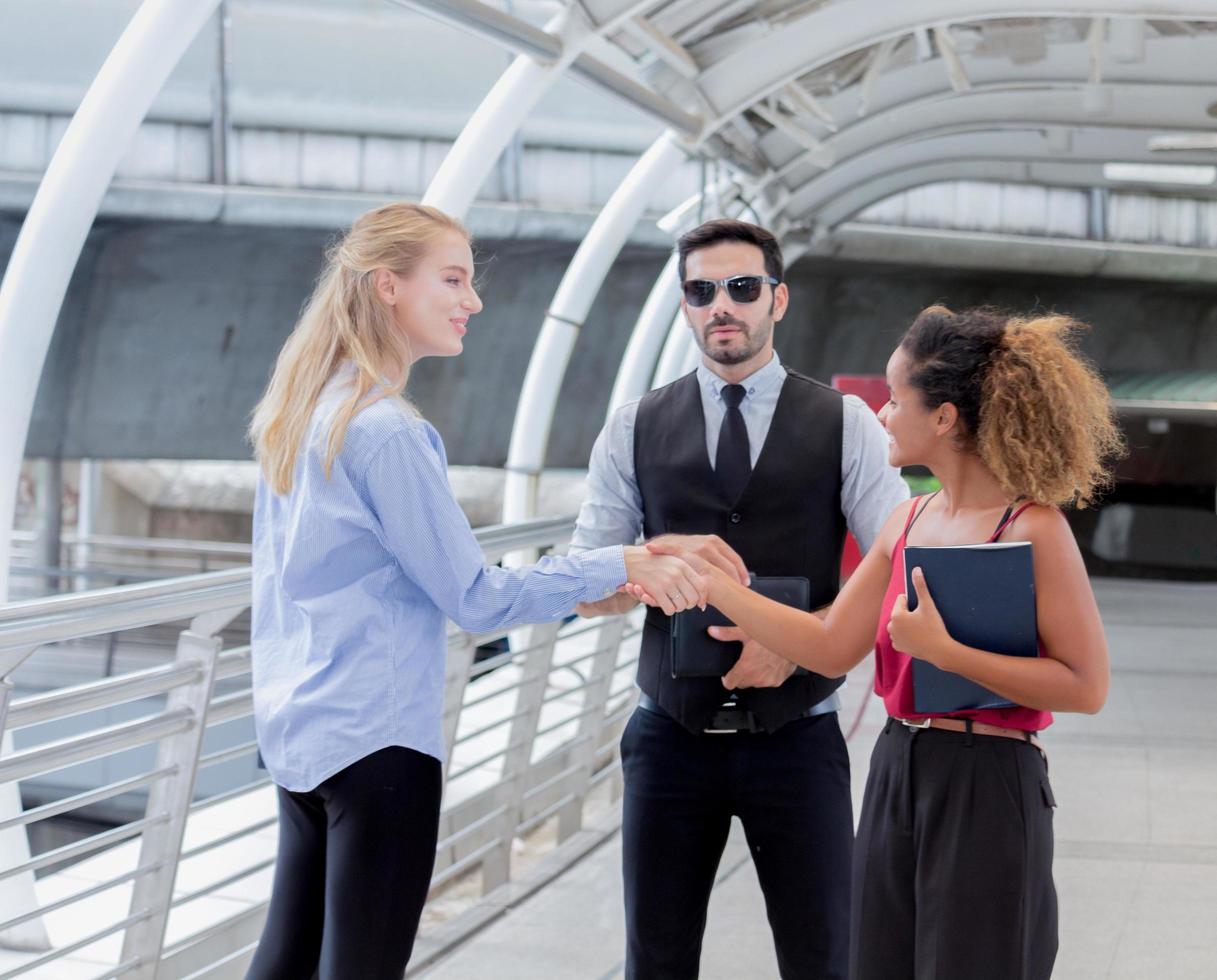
(802, 115)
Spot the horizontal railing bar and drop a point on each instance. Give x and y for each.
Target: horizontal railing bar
(210, 932)
(227, 960)
(230, 794)
(107, 792)
(552, 781)
(77, 896)
(458, 868)
(239, 704)
(126, 966)
(215, 886)
(62, 951)
(494, 663)
(481, 762)
(598, 777)
(87, 846)
(224, 755)
(234, 662)
(539, 818)
(120, 595)
(566, 721)
(492, 695)
(253, 828)
(478, 732)
(568, 691)
(93, 745)
(469, 828)
(101, 694)
(583, 656)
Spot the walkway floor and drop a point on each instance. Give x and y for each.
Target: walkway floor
(1136, 864)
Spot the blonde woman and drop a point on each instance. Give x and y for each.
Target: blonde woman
(361, 556)
(952, 874)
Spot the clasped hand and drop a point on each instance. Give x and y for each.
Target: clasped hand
(921, 633)
(692, 559)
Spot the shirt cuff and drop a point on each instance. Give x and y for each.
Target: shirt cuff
(603, 570)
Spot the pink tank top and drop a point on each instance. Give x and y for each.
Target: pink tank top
(893, 669)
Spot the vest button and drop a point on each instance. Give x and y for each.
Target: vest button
(736, 518)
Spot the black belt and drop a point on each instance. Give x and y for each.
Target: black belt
(730, 718)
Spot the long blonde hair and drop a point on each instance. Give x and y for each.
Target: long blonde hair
(344, 321)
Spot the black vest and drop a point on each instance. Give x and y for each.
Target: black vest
(787, 521)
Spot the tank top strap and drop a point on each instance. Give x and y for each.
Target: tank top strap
(918, 508)
(1011, 515)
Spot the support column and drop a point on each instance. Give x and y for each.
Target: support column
(571, 304)
(50, 521)
(63, 210)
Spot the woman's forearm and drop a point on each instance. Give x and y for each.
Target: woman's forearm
(1041, 683)
(792, 634)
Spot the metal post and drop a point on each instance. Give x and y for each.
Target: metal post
(591, 724)
(50, 520)
(221, 123)
(162, 843)
(87, 500)
(63, 209)
(456, 679)
(571, 303)
(653, 326)
(530, 698)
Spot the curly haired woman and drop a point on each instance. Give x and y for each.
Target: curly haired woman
(953, 864)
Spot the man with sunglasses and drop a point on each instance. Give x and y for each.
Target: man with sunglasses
(752, 466)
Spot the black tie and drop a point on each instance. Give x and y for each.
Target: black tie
(733, 461)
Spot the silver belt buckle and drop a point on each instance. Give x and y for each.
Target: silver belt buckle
(721, 731)
(924, 723)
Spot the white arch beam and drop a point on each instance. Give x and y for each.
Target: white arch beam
(647, 338)
(761, 66)
(840, 193)
(1167, 88)
(63, 210)
(571, 304)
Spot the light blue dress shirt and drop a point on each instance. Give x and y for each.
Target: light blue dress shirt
(871, 488)
(354, 579)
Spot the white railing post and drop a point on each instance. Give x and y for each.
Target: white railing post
(162, 843)
(591, 721)
(530, 696)
(456, 678)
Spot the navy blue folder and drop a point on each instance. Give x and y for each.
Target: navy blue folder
(986, 594)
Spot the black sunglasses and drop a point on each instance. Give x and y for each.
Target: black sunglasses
(741, 289)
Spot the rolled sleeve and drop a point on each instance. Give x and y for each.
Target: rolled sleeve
(871, 488)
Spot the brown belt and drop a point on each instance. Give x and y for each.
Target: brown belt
(977, 728)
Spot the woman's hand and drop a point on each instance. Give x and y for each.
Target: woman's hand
(922, 633)
(665, 581)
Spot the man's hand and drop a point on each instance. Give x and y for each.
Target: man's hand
(614, 605)
(757, 666)
(710, 548)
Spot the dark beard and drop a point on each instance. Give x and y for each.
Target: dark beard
(754, 340)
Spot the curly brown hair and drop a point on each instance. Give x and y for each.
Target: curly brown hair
(1030, 405)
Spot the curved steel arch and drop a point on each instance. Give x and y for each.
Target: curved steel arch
(1154, 88)
(1007, 166)
(1140, 109)
(761, 66)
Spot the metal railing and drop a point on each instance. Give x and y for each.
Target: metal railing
(180, 889)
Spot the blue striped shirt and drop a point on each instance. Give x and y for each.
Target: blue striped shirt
(354, 578)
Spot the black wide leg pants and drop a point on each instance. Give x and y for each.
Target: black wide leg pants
(354, 866)
(953, 860)
(790, 790)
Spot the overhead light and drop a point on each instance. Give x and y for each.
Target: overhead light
(1185, 141)
(1160, 173)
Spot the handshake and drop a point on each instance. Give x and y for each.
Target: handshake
(673, 572)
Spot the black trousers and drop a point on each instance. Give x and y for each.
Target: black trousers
(353, 870)
(790, 790)
(953, 861)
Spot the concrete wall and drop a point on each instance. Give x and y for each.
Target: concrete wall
(169, 331)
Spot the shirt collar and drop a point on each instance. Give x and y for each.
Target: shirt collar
(757, 383)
